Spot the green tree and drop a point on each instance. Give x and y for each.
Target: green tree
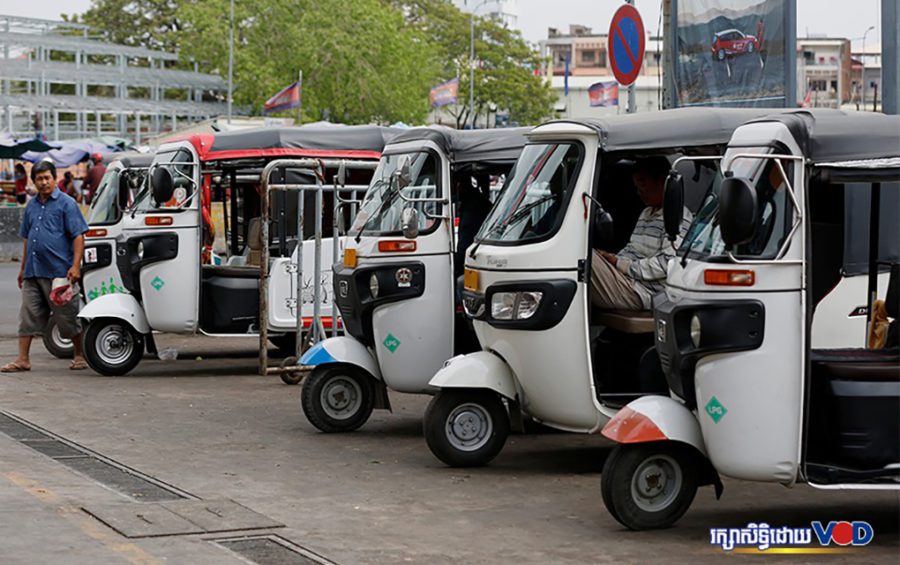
(504, 62)
(139, 23)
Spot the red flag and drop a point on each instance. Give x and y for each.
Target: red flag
(604, 93)
(287, 98)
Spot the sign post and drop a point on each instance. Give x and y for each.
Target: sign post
(626, 48)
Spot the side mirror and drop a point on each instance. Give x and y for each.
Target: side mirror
(124, 192)
(603, 229)
(737, 211)
(162, 185)
(409, 223)
(673, 205)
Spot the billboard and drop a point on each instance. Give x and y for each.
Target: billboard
(734, 53)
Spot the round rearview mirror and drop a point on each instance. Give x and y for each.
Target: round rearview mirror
(409, 223)
(603, 229)
(673, 205)
(162, 185)
(737, 211)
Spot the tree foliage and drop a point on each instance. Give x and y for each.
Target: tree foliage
(368, 60)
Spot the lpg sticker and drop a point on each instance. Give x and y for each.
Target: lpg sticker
(157, 283)
(715, 409)
(391, 342)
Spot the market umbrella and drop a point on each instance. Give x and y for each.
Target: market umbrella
(12, 148)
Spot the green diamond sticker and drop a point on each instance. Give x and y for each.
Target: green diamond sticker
(157, 283)
(715, 409)
(391, 342)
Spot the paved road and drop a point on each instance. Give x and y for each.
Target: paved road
(9, 299)
(213, 429)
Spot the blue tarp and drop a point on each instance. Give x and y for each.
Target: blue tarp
(71, 152)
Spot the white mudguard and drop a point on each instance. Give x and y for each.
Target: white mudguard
(124, 307)
(655, 418)
(341, 350)
(481, 369)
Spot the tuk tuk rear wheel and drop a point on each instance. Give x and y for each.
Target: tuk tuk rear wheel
(466, 428)
(337, 398)
(56, 344)
(112, 347)
(649, 486)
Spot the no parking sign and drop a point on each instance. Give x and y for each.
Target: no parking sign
(626, 44)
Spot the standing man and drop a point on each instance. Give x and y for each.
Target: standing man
(53, 232)
(93, 177)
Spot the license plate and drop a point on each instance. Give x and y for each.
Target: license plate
(350, 258)
(470, 280)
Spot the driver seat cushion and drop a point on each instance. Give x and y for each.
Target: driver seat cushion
(626, 321)
(254, 241)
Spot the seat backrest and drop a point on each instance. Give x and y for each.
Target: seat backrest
(892, 301)
(254, 234)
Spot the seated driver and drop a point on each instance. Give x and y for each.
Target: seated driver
(627, 280)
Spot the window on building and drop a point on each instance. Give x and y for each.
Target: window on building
(589, 57)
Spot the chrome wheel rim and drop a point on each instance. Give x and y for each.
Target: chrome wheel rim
(114, 344)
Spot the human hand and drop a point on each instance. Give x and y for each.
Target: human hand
(21, 278)
(74, 273)
(610, 257)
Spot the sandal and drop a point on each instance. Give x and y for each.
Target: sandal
(14, 367)
(77, 365)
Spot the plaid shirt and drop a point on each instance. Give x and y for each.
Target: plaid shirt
(647, 254)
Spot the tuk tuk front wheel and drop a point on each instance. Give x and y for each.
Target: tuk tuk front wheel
(337, 398)
(649, 486)
(56, 344)
(112, 347)
(466, 428)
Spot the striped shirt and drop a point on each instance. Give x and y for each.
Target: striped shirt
(645, 259)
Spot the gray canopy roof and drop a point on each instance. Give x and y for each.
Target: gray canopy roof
(310, 137)
(501, 145)
(833, 135)
(669, 129)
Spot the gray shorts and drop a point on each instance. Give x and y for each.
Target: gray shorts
(36, 309)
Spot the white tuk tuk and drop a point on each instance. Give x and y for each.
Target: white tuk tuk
(807, 200)
(396, 286)
(124, 176)
(166, 252)
(546, 351)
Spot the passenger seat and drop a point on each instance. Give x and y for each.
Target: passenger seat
(625, 321)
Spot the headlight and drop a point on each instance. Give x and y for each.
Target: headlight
(503, 305)
(515, 305)
(695, 330)
(373, 285)
(140, 250)
(528, 304)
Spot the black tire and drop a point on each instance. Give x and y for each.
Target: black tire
(720, 54)
(112, 347)
(619, 484)
(286, 344)
(293, 378)
(57, 345)
(466, 427)
(324, 394)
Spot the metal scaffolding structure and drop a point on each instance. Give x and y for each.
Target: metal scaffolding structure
(56, 82)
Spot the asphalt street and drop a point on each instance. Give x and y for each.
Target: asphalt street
(224, 460)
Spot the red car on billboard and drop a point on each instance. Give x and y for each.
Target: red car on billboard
(733, 42)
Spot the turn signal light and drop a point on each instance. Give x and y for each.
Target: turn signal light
(729, 277)
(350, 258)
(158, 220)
(96, 232)
(396, 246)
(630, 426)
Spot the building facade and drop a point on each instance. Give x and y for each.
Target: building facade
(57, 83)
(826, 80)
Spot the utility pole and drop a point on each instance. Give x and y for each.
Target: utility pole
(230, 58)
(632, 104)
(890, 60)
(472, 58)
(864, 66)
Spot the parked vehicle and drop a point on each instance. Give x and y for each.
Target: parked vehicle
(732, 42)
(804, 195)
(546, 352)
(165, 255)
(125, 173)
(395, 288)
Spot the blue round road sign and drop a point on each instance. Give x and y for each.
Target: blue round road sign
(626, 44)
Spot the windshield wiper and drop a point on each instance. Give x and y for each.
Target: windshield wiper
(514, 217)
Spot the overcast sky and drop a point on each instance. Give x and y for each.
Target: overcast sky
(838, 18)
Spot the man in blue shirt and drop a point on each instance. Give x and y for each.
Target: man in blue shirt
(53, 233)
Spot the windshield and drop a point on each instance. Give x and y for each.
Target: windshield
(382, 205)
(533, 203)
(182, 175)
(104, 209)
(704, 238)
